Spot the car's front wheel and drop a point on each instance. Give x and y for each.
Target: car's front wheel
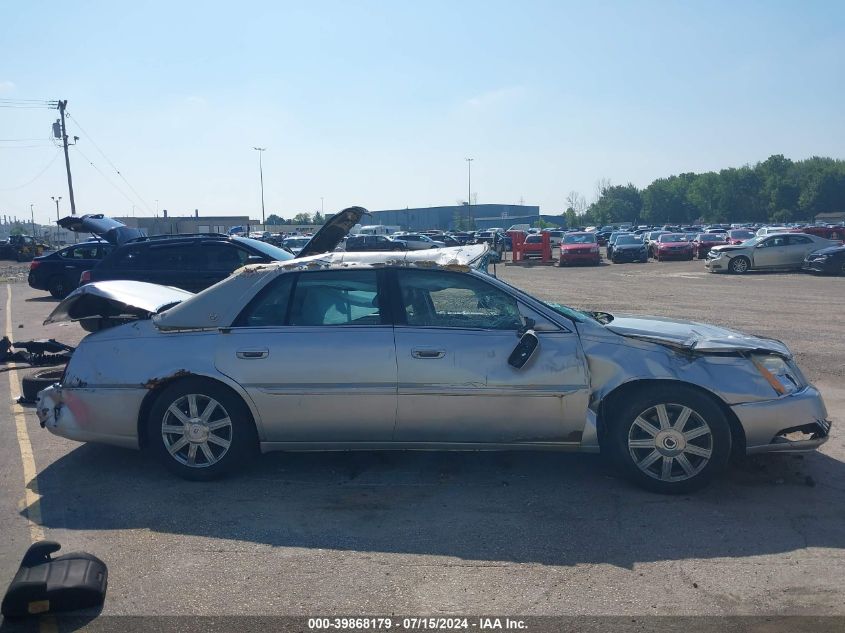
(201, 430)
(670, 440)
(739, 265)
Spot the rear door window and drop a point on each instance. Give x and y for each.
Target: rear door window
(332, 298)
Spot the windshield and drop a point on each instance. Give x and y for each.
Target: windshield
(710, 237)
(273, 252)
(580, 238)
(672, 237)
(627, 239)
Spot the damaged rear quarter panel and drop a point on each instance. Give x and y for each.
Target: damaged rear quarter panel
(139, 357)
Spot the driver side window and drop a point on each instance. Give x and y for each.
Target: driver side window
(456, 300)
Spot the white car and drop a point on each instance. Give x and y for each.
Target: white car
(417, 242)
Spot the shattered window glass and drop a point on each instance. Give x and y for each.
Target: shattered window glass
(443, 299)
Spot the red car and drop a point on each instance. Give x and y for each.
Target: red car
(673, 246)
(738, 236)
(703, 242)
(827, 232)
(533, 246)
(579, 248)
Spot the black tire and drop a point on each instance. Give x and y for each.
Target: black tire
(57, 287)
(40, 379)
(712, 446)
(239, 435)
(739, 265)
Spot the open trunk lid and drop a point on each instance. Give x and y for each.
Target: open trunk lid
(111, 230)
(333, 231)
(116, 299)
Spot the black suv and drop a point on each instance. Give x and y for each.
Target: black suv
(59, 272)
(190, 262)
(357, 243)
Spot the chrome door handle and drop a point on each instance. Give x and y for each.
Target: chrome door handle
(427, 353)
(252, 354)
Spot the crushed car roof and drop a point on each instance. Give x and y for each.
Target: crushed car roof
(218, 305)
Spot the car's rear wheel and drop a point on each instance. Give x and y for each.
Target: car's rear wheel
(58, 287)
(739, 265)
(670, 440)
(201, 430)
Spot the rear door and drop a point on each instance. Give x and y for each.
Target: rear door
(798, 246)
(771, 252)
(315, 352)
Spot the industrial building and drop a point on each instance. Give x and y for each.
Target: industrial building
(480, 216)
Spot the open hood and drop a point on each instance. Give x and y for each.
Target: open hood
(698, 337)
(111, 230)
(116, 299)
(333, 231)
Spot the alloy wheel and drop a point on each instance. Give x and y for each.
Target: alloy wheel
(739, 265)
(670, 442)
(196, 430)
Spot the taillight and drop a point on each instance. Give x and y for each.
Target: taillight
(85, 277)
(34, 264)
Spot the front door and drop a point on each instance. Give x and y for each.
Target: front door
(454, 334)
(316, 354)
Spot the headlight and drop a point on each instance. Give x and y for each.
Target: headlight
(779, 373)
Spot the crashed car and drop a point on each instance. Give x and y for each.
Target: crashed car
(778, 251)
(417, 350)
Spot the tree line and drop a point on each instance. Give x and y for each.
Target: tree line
(775, 190)
(299, 218)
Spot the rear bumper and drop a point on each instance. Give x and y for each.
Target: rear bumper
(108, 416)
(793, 423)
(815, 267)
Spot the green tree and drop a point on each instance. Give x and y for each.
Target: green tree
(302, 218)
(274, 220)
(318, 218)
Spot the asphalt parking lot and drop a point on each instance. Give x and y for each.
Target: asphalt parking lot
(481, 533)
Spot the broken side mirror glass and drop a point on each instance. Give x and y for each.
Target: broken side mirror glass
(524, 350)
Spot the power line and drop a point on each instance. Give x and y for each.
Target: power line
(106, 178)
(40, 173)
(113, 166)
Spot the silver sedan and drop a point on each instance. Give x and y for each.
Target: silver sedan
(416, 350)
(778, 251)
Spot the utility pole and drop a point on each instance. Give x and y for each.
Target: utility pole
(260, 151)
(62, 106)
(56, 200)
(32, 216)
(469, 193)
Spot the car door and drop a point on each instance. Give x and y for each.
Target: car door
(797, 248)
(315, 352)
(77, 259)
(771, 252)
(454, 334)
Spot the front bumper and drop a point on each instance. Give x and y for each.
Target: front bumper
(630, 256)
(716, 265)
(572, 258)
(684, 254)
(108, 416)
(794, 423)
(818, 266)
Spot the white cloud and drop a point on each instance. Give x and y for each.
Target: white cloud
(6, 87)
(496, 98)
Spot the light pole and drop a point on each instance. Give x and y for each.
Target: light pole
(260, 151)
(56, 200)
(32, 216)
(469, 192)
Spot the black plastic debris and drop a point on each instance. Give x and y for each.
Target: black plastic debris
(50, 585)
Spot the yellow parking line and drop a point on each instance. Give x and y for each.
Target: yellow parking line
(32, 498)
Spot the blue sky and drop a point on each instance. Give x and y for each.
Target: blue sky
(378, 103)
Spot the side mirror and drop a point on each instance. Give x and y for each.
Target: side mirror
(256, 259)
(524, 350)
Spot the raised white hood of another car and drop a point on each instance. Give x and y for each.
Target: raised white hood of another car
(116, 298)
(699, 337)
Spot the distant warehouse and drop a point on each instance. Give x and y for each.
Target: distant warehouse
(481, 216)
